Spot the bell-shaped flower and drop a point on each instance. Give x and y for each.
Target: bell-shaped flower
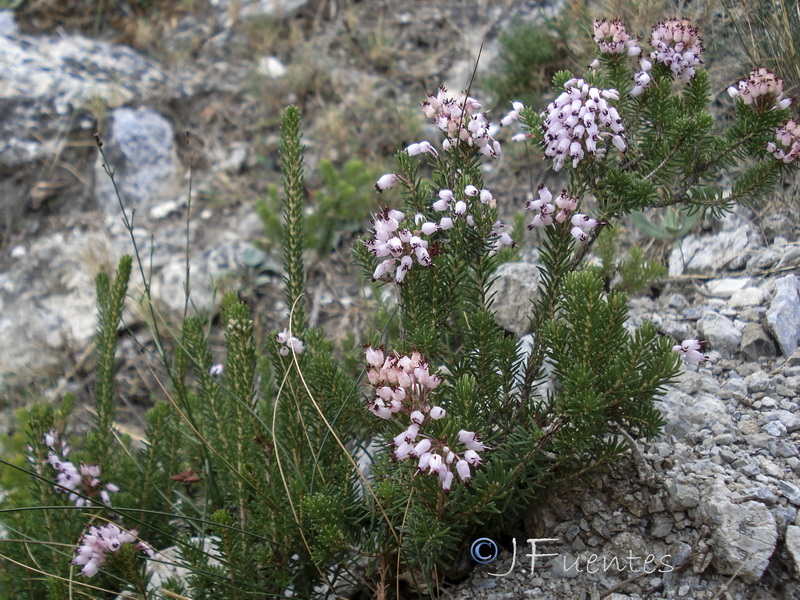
(387, 181)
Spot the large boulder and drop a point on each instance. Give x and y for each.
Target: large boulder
(783, 316)
(140, 150)
(51, 84)
(743, 534)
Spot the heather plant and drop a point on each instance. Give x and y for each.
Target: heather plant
(340, 206)
(628, 273)
(289, 470)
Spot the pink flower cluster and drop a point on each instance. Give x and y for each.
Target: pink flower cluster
(99, 541)
(788, 137)
(462, 120)
(677, 45)
(460, 206)
(289, 343)
(73, 480)
(690, 349)
(573, 123)
(401, 246)
(513, 114)
(558, 211)
(403, 385)
(613, 37)
(763, 90)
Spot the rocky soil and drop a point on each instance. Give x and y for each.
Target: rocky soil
(713, 504)
(710, 509)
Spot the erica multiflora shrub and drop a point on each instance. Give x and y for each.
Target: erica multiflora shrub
(293, 469)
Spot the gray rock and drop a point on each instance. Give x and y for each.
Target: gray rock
(682, 495)
(48, 82)
(712, 253)
(736, 385)
(790, 257)
(661, 526)
(749, 296)
(784, 516)
(743, 536)
(777, 225)
(40, 317)
(140, 149)
(515, 290)
(793, 546)
(250, 9)
(727, 287)
(720, 333)
(783, 316)
(685, 413)
(8, 25)
(760, 493)
(775, 429)
(790, 420)
(756, 343)
(763, 258)
(789, 491)
(676, 300)
(758, 381)
(786, 450)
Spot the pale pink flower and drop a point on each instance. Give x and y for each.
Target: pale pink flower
(613, 37)
(677, 45)
(462, 466)
(690, 349)
(787, 148)
(289, 343)
(387, 181)
(573, 122)
(421, 148)
(98, 542)
(437, 412)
